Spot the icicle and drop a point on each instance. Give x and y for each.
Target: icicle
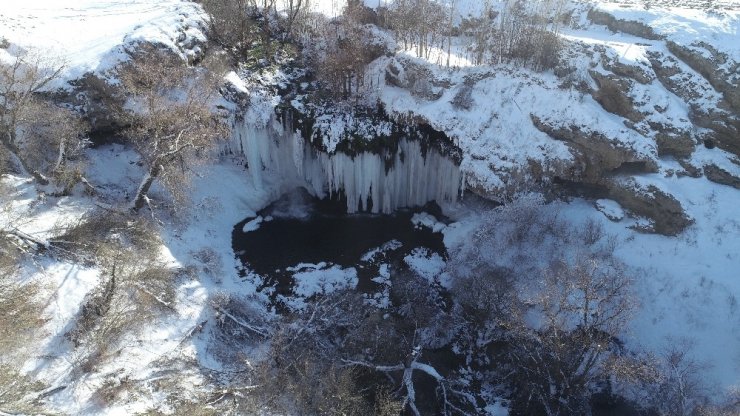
(286, 159)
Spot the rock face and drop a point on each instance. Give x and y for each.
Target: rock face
(597, 155)
(724, 123)
(726, 82)
(678, 144)
(418, 79)
(618, 25)
(716, 174)
(665, 212)
(613, 97)
(628, 71)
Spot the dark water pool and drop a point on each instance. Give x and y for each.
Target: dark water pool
(299, 228)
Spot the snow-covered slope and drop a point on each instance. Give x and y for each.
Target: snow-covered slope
(92, 35)
(690, 282)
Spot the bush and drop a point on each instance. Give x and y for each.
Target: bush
(544, 301)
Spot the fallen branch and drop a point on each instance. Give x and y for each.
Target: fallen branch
(260, 331)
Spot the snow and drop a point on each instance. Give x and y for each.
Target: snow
(685, 25)
(687, 285)
(497, 409)
(389, 246)
(423, 219)
(92, 35)
(425, 263)
(233, 79)
(253, 225)
(382, 299)
(315, 279)
(610, 209)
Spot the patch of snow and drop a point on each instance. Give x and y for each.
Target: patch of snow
(92, 35)
(253, 225)
(320, 279)
(425, 263)
(611, 209)
(423, 219)
(389, 246)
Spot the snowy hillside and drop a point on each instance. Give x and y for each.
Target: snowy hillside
(94, 35)
(634, 132)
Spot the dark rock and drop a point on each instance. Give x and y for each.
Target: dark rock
(689, 170)
(678, 144)
(416, 78)
(625, 26)
(597, 156)
(613, 97)
(629, 71)
(666, 213)
(716, 174)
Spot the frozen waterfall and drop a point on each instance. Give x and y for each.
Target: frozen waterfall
(412, 179)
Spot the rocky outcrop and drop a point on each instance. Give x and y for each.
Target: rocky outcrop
(628, 71)
(716, 174)
(612, 97)
(725, 129)
(709, 68)
(665, 212)
(724, 124)
(678, 144)
(416, 78)
(626, 26)
(597, 155)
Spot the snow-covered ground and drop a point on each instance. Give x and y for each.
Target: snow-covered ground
(688, 285)
(92, 35)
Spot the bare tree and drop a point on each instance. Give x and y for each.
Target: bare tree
(560, 345)
(293, 10)
(20, 82)
(171, 121)
(54, 136)
(679, 388)
(232, 24)
(21, 318)
(418, 23)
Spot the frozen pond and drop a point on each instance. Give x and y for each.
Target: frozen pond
(299, 233)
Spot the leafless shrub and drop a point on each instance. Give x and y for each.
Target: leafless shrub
(418, 24)
(210, 260)
(136, 285)
(113, 388)
(21, 80)
(240, 324)
(18, 392)
(521, 32)
(543, 298)
(90, 236)
(231, 23)
(21, 319)
(53, 137)
(681, 389)
(578, 310)
(302, 368)
(173, 128)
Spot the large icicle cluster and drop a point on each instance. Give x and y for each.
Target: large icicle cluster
(412, 178)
